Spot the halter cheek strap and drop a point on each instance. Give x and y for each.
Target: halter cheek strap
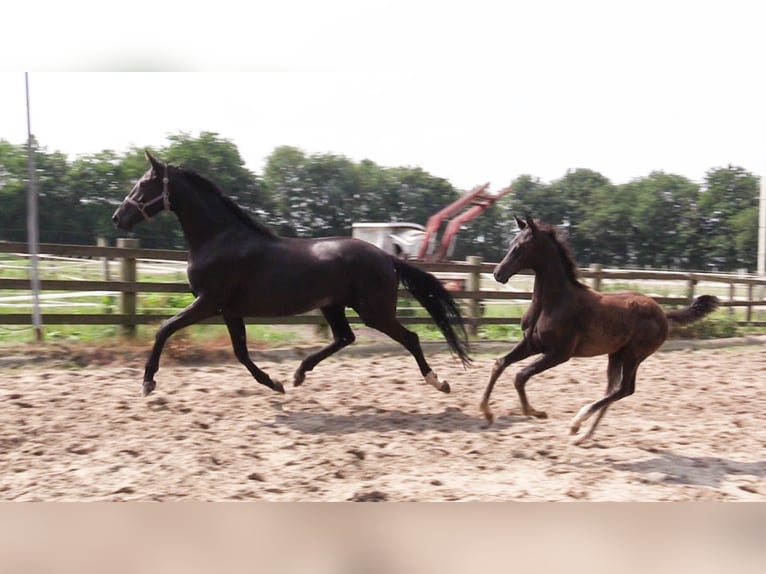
(164, 197)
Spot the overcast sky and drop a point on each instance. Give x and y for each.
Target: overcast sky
(470, 91)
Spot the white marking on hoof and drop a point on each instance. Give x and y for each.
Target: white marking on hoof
(433, 380)
(580, 418)
(578, 440)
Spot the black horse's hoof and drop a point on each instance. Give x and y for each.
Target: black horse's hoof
(298, 378)
(148, 387)
(279, 387)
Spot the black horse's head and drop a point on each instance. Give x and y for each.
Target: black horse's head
(518, 256)
(148, 197)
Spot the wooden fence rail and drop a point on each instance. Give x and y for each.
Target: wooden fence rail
(468, 274)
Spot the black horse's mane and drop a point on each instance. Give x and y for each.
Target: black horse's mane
(565, 254)
(210, 187)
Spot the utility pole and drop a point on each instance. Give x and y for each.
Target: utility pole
(32, 229)
(762, 229)
(761, 263)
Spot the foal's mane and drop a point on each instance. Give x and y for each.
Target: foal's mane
(210, 187)
(565, 254)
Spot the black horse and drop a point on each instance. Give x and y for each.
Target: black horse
(239, 268)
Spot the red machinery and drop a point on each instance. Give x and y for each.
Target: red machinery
(479, 201)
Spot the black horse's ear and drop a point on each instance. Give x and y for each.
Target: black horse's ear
(531, 223)
(520, 222)
(156, 164)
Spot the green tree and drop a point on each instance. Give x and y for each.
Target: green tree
(575, 192)
(324, 194)
(609, 226)
(219, 160)
(99, 182)
(659, 220)
(55, 202)
(313, 195)
(419, 195)
(13, 190)
(665, 220)
(729, 209)
(381, 189)
(532, 197)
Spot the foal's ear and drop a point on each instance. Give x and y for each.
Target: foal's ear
(520, 222)
(156, 164)
(531, 224)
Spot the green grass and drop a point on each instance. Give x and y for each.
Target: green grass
(107, 335)
(500, 332)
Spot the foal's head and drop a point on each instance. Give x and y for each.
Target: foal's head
(149, 196)
(536, 248)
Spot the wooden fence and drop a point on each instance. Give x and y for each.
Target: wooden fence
(467, 275)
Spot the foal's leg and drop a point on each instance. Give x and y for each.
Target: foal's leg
(238, 334)
(522, 350)
(342, 337)
(625, 388)
(613, 375)
(547, 361)
(194, 313)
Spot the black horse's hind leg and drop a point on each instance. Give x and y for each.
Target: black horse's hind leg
(409, 340)
(194, 313)
(342, 337)
(238, 334)
(522, 350)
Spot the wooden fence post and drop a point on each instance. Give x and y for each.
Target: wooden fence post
(596, 270)
(128, 275)
(473, 283)
(104, 242)
(690, 284)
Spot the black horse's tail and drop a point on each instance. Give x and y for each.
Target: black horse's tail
(433, 296)
(701, 306)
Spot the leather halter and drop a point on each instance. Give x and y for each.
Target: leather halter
(164, 197)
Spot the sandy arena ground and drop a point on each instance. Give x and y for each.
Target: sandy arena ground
(368, 428)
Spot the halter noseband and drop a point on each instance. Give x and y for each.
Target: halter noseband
(164, 197)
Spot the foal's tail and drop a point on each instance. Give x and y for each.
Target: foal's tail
(443, 309)
(701, 306)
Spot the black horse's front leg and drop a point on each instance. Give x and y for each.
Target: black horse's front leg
(194, 313)
(238, 334)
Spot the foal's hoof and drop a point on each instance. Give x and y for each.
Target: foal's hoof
(487, 413)
(148, 387)
(278, 387)
(445, 388)
(298, 378)
(578, 440)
